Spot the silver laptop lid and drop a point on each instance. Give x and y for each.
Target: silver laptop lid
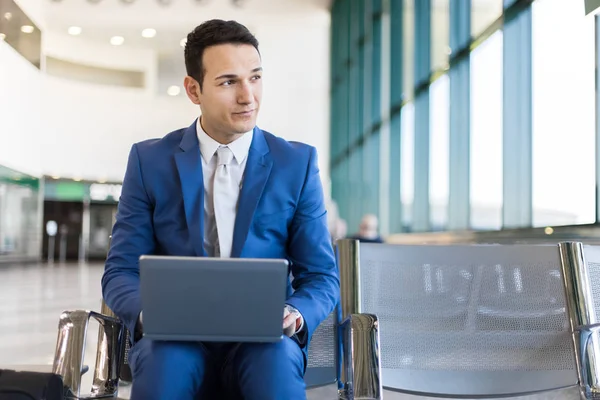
(213, 299)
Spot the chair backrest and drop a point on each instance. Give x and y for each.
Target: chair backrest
(469, 320)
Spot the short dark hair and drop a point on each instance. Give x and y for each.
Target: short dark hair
(212, 33)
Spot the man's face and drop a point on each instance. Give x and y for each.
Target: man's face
(231, 90)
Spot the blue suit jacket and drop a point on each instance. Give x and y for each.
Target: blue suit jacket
(281, 214)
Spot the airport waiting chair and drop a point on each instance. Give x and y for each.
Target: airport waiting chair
(325, 355)
(113, 347)
(482, 321)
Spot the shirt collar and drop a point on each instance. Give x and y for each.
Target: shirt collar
(208, 146)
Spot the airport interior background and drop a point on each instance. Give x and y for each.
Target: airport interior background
(437, 117)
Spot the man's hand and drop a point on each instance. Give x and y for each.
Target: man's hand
(292, 321)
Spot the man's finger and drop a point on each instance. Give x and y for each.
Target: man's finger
(288, 320)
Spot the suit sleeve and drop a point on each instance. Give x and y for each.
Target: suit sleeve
(132, 236)
(316, 282)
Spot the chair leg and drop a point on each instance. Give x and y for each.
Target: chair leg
(360, 375)
(108, 356)
(70, 351)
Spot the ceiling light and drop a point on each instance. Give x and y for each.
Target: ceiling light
(55, 176)
(27, 29)
(8, 16)
(117, 40)
(173, 90)
(149, 33)
(74, 30)
(183, 42)
(77, 179)
(2, 36)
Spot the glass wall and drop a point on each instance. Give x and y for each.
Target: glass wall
(472, 86)
(440, 34)
(486, 134)
(483, 14)
(408, 41)
(564, 179)
(20, 215)
(439, 149)
(407, 167)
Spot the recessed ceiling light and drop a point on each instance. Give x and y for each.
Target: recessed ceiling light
(149, 33)
(117, 40)
(74, 30)
(173, 90)
(183, 42)
(8, 16)
(27, 29)
(2, 36)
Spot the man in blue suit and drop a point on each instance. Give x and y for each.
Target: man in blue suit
(223, 188)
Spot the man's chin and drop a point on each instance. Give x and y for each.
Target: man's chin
(243, 128)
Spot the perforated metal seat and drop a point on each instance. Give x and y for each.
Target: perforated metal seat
(475, 320)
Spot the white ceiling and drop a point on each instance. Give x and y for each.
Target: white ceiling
(172, 22)
(102, 19)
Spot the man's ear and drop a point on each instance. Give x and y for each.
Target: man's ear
(192, 89)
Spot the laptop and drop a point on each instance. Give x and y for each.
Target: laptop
(213, 299)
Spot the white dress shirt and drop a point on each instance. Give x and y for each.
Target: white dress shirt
(208, 149)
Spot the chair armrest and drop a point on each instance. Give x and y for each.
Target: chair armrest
(70, 351)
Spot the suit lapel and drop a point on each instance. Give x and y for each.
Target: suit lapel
(189, 166)
(258, 169)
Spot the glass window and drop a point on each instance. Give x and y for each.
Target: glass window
(409, 50)
(407, 163)
(439, 152)
(370, 175)
(440, 34)
(19, 217)
(563, 114)
(355, 190)
(486, 134)
(483, 14)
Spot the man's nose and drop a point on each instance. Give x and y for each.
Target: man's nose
(245, 94)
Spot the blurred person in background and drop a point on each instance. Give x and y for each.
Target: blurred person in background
(368, 230)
